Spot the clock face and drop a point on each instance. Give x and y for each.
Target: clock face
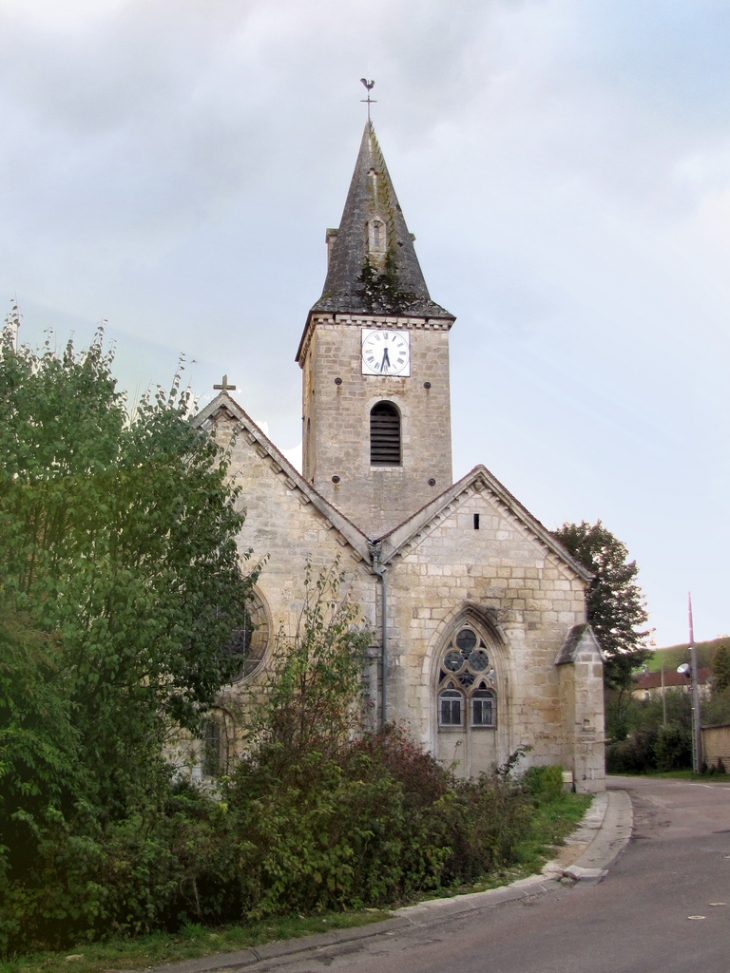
(386, 352)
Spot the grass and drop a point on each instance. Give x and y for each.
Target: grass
(685, 774)
(689, 775)
(551, 824)
(192, 942)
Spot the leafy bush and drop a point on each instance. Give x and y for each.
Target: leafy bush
(673, 747)
(544, 783)
(634, 755)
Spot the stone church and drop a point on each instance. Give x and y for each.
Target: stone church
(481, 641)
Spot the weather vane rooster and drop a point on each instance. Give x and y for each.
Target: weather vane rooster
(368, 101)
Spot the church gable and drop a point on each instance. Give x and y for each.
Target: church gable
(267, 478)
(478, 508)
(287, 524)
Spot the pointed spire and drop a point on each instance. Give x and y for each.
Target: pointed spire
(373, 267)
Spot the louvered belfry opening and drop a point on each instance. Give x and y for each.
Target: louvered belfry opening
(384, 435)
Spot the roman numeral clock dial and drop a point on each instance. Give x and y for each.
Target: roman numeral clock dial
(385, 352)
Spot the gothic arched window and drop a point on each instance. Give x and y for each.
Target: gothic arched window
(466, 686)
(385, 439)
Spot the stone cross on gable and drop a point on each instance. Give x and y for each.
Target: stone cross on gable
(224, 386)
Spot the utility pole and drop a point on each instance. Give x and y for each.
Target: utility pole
(696, 720)
(690, 670)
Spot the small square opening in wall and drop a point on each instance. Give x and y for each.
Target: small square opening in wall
(476, 521)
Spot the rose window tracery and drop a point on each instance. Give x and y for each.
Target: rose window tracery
(466, 688)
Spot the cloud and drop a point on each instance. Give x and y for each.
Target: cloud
(172, 165)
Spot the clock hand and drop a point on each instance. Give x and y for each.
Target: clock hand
(386, 360)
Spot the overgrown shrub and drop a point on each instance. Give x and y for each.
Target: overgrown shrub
(634, 755)
(673, 747)
(544, 783)
(319, 814)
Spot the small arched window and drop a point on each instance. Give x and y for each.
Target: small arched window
(466, 688)
(377, 236)
(385, 438)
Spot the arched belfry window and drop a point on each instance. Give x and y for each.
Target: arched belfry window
(466, 682)
(385, 438)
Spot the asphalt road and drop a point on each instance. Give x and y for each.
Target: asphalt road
(664, 906)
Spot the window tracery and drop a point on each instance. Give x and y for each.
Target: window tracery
(250, 642)
(466, 682)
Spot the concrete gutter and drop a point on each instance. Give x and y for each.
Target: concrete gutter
(601, 836)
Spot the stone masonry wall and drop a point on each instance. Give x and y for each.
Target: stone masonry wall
(336, 436)
(520, 594)
(716, 744)
(535, 598)
(283, 531)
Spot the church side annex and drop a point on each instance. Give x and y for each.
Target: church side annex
(484, 647)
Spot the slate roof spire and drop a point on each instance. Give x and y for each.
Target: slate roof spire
(373, 267)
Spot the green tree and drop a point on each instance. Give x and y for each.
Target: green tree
(312, 699)
(721, 669)
(118, 560)
(615, 604)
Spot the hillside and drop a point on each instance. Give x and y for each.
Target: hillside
(674, 655)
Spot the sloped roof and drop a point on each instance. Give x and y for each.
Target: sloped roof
(372, 194)
(405, 536)
(348, 534)
(672, 678)
(578, 637)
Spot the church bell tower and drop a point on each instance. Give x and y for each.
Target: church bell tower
(375, 363)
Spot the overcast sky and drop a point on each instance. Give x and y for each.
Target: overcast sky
(171, 166)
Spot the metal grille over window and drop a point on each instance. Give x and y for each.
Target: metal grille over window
(466, 682)
(385, 446)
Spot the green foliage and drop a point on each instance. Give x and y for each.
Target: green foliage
(191, 941)
(634, 755)
(716, 710)
(325, 814)
(721, 669)
(319, 814)
(117, 535)
(673, 656)
(545, 783)
(645, 744)
(616, 609)
(312, 691)
(673, 747)
(119, 588)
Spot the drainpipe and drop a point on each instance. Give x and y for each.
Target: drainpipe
(380, 571)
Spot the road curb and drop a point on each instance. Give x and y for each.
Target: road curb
(610, 838)
(605, 830)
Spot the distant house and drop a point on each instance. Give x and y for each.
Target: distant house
(647, 685)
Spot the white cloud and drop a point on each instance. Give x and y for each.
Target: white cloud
(172, 166)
